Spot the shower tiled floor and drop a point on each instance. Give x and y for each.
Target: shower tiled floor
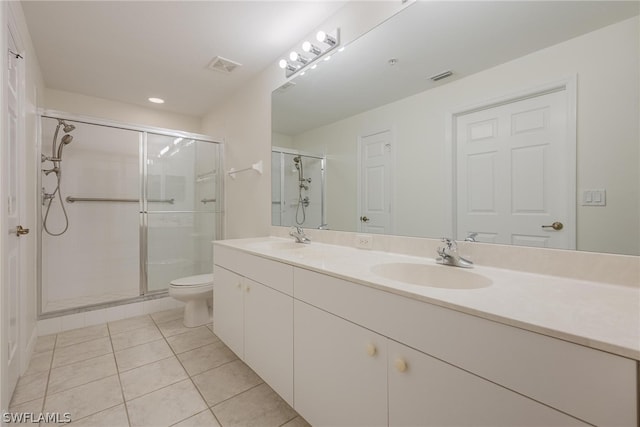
(147, 371)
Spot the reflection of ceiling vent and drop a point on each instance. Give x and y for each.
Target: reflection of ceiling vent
(223, 65)
(285, 86)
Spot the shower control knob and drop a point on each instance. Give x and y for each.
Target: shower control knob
(364, 219)
(20, 231)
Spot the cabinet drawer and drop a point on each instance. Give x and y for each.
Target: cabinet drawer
(276, 275)
(592, 385)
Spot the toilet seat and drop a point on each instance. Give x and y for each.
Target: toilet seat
(196, 292)
(193, 281)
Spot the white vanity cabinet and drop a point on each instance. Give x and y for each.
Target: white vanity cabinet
(256, 319)
(340, 370)
(545, 380)
(424, 391)
(348, 353)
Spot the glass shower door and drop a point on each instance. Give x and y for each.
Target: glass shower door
(182, 203)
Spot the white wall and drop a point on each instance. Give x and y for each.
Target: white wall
(606, 63)
(245, 120)
(75, 103)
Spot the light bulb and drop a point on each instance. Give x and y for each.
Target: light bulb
(293, 56)
(309, 47)
(283, 63)
(321, 36)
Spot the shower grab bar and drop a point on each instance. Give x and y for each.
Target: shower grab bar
(205, 201)
(104, 199)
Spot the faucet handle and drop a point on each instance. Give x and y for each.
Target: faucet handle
(451, 244)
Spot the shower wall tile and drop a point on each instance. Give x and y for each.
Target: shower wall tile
(73, 321)
(49, 326)
(95, 317)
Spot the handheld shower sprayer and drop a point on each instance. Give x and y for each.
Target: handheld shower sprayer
(66, 140)
(56, 158)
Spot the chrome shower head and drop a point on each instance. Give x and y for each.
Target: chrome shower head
(67, 127)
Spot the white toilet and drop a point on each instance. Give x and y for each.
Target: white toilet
(197, 293)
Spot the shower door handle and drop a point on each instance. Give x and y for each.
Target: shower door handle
(364, 219)
(21, 231)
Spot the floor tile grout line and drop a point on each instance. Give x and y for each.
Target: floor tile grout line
(288, 421)
(46, 387)
(241, 393)
(191, 379)
(124, 401)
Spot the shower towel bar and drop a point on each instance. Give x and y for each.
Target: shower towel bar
(104, 199)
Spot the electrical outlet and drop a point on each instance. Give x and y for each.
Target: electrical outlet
(364, 241)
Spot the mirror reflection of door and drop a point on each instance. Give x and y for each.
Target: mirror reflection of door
(515, 177)
(374, 183)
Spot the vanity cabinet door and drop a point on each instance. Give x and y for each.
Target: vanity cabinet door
(268, 336)
(340, 372)
(424, 391)
(228, 309)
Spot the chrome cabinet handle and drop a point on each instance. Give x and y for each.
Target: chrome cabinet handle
(556, 226)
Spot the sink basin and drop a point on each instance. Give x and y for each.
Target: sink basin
(436, 276)
(278, 246)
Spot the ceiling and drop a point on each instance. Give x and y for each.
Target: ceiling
(129, 51)
(427, 38)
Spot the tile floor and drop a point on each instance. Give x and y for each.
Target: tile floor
(147, 371)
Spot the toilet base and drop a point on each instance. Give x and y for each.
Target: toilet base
(196, 313)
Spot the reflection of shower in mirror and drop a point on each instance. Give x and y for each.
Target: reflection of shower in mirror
(298, 189)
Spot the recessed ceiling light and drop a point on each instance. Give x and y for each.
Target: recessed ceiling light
(156, 100)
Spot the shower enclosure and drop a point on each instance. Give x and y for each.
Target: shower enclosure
(298, 189)
(125, 209)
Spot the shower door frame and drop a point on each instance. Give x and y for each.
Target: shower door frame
(143, 130)
(323, 168)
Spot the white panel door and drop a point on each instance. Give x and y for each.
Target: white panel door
(374, 192)
(340, 372)
(515, 177)
(11, 227)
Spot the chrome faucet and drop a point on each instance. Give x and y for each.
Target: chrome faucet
(298, 234)
(449, 255)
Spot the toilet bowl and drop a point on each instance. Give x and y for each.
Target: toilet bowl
(197, 293)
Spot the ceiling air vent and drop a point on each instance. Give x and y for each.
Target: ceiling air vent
(441, 76)
(223, 65)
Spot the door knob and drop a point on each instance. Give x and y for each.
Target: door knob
(20, 231)
(364, 219)
(556, 226)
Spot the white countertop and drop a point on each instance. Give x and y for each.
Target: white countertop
(601, 316)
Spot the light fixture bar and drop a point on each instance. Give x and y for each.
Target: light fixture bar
(298, 62)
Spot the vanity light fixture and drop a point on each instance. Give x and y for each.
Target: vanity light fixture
(296, 57)
(289, 67)
(323, 37)
(297, 62)
(311, 48)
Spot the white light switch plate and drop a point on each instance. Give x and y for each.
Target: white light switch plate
(594, 198)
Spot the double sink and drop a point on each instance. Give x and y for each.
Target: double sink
(422, 274)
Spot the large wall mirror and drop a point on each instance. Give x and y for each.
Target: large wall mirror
(532, 140)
